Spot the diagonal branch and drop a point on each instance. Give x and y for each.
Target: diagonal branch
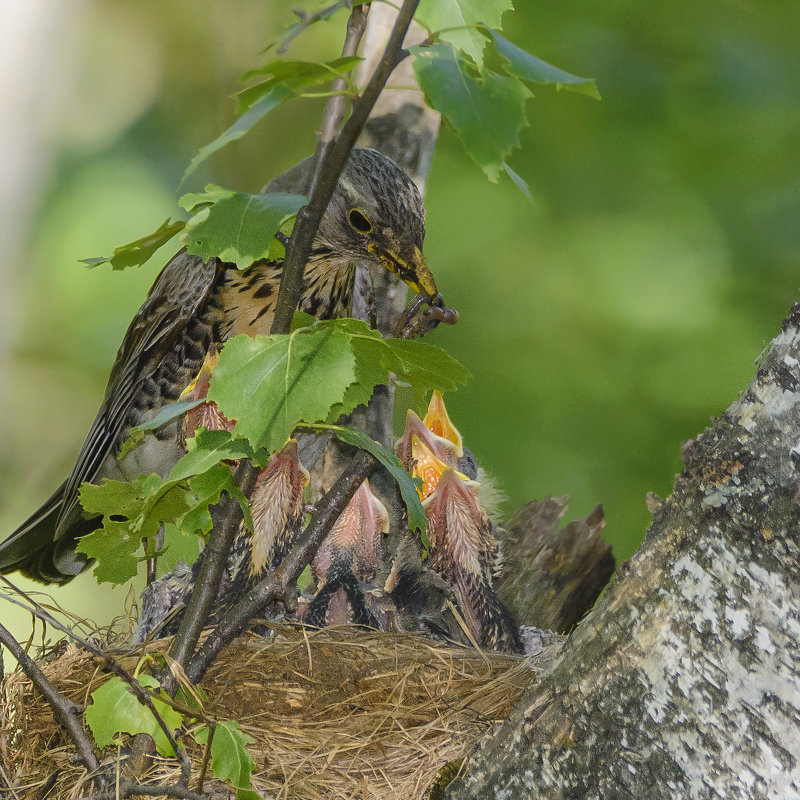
(335, 107)
(226, 516)
(330, 169)
(66, 712)
(282, 579)
(140, 692)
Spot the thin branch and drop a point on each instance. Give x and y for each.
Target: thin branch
(308, 19)
(227, 516)
(140, 692)
(66, 712)
(282, 579)
(335, 107)
(133, 789)
(329, 170)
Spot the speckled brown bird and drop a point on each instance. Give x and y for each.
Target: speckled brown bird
(376, 217)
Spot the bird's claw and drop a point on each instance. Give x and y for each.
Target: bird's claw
(423, 314)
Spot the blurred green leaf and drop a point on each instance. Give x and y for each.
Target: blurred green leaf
(230, 760)
(257, 112)
(136, 253)
(486, 109)
(270, 383)
(288, 80)
(239, 227)
(295, 75)
(463, 16)
(115, 709)
(527, 67)
(519, 182)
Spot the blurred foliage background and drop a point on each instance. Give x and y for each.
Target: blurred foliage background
(604, 323)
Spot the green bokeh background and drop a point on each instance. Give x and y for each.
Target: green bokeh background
(604, 323)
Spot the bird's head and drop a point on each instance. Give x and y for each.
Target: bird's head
(376, 215)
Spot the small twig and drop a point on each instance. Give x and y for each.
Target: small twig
(309, 19)
(206, 756)
(66, 712)
(335, 107)
(226, 516)
(309, 217)
(141, 693)
(279, 581)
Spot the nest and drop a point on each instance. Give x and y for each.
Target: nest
(335, 713)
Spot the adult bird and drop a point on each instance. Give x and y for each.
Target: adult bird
(375, 217)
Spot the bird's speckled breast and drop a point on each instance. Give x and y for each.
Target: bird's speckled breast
(240, 303)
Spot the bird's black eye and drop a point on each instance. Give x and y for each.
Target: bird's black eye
(359, 221)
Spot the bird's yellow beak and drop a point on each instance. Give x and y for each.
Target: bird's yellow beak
(438, 421)
(413, 270)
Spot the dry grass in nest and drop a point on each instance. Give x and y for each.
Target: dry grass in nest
(335, 714)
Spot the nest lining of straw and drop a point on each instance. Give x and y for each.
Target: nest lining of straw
(336, 714)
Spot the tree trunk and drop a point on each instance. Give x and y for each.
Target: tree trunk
(683, 682)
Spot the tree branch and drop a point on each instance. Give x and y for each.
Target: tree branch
(132, 789)
(66, 712)
(140, 692)
(309, 217)
(335, 107)
(276, 585)
(226, 516)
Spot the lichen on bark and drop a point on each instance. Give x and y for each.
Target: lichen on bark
(684, 681)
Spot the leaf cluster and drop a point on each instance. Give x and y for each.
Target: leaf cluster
(115, 709)
(270, 385)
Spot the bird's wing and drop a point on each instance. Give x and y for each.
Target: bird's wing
(176, 296)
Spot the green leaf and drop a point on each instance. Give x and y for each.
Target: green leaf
(170, 412)
(178, 545)
(306, 582)
(239, 227)
(270, 383)
(205, 490)
(464, 16)
(298, 27)
(207, 449)
(115, 709)
(486, 109)
(519, 182)
(406, 484)
(132, 511)
(136, 253)
(296, 75)
(521, 64)
(424, 367)
(257, 112)
(112, 547)
(230, 760)
(289, 78)
(194, 201)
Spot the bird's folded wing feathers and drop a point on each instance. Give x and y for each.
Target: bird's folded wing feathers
(177, 295)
